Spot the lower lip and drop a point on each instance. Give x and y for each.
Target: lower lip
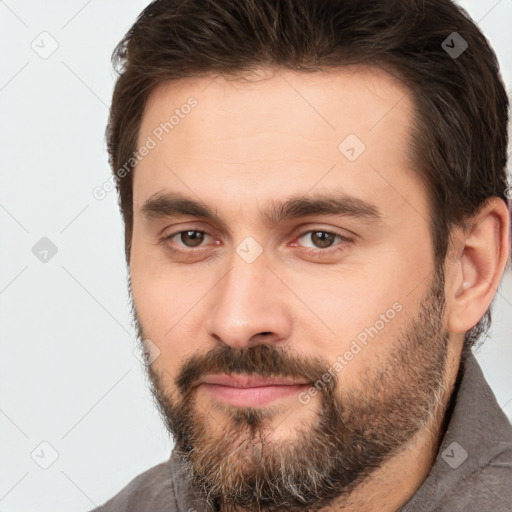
(251, 397)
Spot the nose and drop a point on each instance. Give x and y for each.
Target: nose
(249, 305)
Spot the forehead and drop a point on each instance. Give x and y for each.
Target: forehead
(279, 132)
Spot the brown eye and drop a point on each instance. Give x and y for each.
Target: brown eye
(322, 239)
(191, 238)
(318, 243)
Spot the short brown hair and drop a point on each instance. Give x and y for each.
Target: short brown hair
(459, 137)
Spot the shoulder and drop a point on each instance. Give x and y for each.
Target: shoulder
(152, 490)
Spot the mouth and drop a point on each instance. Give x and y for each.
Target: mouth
(251, 390)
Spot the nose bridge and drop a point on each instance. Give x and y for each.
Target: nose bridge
(247, 302)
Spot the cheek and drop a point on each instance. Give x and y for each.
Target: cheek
(356, 313)
(163, 302)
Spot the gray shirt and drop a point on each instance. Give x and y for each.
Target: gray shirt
(472, 471)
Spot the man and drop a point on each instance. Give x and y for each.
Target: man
(314, 196)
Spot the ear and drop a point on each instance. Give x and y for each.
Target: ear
(479, 258)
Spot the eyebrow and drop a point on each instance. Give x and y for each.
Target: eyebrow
(170, 204)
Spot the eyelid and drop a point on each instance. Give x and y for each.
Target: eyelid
(187, 249)
(343, 238)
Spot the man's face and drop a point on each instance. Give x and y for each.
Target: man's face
(316, 266)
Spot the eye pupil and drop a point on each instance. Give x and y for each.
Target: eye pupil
(325, 239)
(195, 236)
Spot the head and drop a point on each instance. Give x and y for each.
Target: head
(314, 191)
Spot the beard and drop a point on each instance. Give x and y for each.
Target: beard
(234, 466)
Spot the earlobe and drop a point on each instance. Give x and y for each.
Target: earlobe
(477, 272)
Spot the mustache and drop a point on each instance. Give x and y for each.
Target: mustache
(265, 360)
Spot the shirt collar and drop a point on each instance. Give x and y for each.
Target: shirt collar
(476, 430)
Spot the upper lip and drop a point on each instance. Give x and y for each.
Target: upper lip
(250, 381)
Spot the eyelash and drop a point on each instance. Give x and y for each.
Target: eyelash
(307, 250)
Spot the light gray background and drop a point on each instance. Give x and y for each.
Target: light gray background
(69, 376)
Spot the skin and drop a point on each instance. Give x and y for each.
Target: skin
(251, 142)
